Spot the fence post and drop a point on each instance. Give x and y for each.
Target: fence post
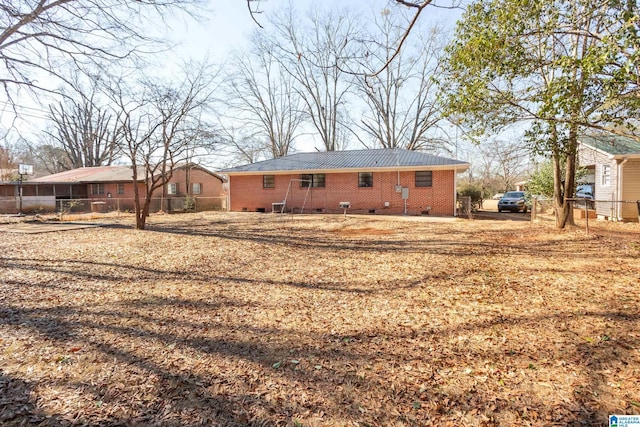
(638, 206)
(586, 215)
(534, 208)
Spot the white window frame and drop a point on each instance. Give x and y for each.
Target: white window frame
(172, 188)
(196, 188)
(605, 176)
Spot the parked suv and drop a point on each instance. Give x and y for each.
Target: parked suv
(512, 201)
(585, 191)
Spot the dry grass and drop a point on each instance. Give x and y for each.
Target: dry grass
(248, 319)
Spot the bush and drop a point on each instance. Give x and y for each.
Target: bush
(473, 191)
(189, 203)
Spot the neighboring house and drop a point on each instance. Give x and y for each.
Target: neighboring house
(114, 186)
(613, 168)
(520, 186)
(380, 181)
(205, 187)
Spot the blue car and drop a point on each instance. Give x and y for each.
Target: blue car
(513, 201)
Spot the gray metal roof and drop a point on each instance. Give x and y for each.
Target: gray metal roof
(612, 144)
(372, 159)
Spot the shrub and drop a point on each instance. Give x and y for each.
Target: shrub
(473, 191)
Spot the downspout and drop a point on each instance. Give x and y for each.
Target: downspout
(455, 193)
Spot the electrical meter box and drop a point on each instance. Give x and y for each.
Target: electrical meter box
(405, 193)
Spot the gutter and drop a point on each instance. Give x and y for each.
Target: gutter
(459, 168)
(625, 157)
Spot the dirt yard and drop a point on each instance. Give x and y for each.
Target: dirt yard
(265, 320)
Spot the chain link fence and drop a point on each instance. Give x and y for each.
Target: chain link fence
(8, 206)
(466, 207)
(165, 204)
(543, 209)
(109, 205)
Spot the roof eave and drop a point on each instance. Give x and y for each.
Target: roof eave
(458, 167)
(626, 156)
(596, 149)
(611, 155)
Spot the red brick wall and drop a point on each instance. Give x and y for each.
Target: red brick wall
(212, 195)
(211, 185)
(112, 188)
(246, 193)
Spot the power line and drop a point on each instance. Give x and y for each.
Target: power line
(12, 105)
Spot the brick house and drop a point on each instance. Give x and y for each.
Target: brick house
(112, 188)
(613, 169)
(377, 181)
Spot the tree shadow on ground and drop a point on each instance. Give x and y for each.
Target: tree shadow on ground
(146, 345)
(17, 406)
(504, 242)
(206, 358)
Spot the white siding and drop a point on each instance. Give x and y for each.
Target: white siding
(604, 195)
(587, 156)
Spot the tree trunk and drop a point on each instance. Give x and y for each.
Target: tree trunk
(141, 217)
(140, 220)
(566, 213)
(142, 211)
(558, 198)
(563, 189)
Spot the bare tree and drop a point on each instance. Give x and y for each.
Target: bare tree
(416, 8)
(8, 164)
(262, 94)
(402, 99)
(503, 161)
(315, 52)
(88, 133)
(48, 158)
(239, 147)
(161, 127)
(41, 39)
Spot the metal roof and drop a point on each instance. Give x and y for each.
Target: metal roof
(104, 174)
(89, 175)
(372, 159)
(612, 144)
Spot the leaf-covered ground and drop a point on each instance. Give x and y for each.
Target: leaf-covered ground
(257, 319)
